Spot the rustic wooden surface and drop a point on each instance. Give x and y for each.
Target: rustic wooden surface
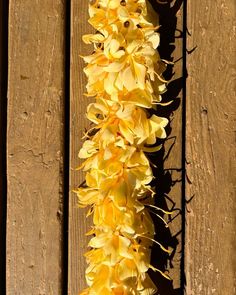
(35, 142)
(210, 236)
(78, 224)
(35, 149)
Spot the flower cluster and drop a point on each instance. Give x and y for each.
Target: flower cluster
(125, 77)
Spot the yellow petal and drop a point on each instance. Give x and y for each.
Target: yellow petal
(126, 132)
(128, 79)
(154, 39)
(127, 269)
(114, 67)
(119, 194)
(88, 149)
(90, 38)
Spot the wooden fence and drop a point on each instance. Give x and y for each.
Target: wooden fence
(42, 122)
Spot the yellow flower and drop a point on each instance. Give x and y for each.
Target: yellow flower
(123, 178)
(127, 120)
(125, 77)
(123, 65)
(111, 15)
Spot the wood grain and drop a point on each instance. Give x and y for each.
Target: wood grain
(35, 147)
(78, 224)
(210, 236)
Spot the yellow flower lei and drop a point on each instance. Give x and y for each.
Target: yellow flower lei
(125, 77)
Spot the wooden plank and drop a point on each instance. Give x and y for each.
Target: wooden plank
(35, 147)
(210, 236)
(78, 224)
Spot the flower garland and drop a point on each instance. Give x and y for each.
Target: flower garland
(125, 76)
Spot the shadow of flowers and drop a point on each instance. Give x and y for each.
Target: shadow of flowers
(167, 11)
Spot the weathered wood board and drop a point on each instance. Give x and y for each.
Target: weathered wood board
(78, 223)
(211, 226)
(35, 147)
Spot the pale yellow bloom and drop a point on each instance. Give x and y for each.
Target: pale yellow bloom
(132, 122)
(125, 77)
(124, 65)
